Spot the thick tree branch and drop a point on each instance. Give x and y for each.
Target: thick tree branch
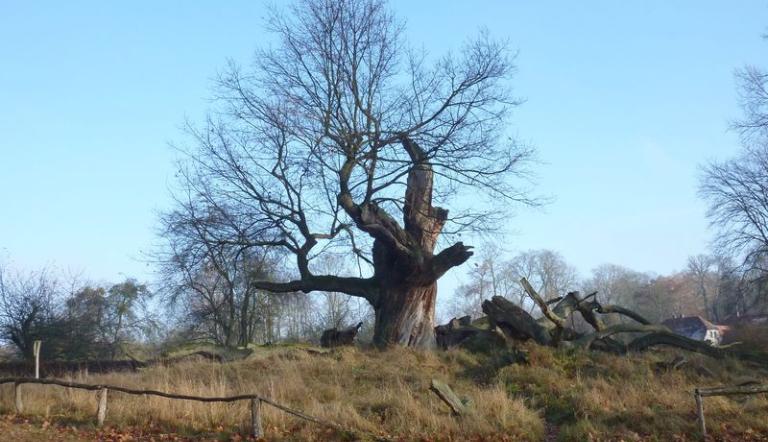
(449, 258)
(605, 309)
(360, 287)
(587, 340)
(549, 314)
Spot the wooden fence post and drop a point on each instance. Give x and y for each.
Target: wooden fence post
(700, 413)
(256, 429)
(18, 401)
(101, 414)
(102, 390)
(36, 351)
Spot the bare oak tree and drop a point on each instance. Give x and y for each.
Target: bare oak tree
(615, 284)
(27, 306)
(737, 189)
(211, 281)
(737, 193)
(341, 136)
(753, 97)
(701, 268)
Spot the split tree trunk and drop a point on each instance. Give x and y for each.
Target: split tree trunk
(405, 265)
(406, 316)
(403, 289)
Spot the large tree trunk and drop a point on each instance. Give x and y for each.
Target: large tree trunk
(403, 289)
(406, 316)
(407, 269)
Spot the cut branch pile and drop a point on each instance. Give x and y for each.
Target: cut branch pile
(508, 322)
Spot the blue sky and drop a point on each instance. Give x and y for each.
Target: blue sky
(624, 101)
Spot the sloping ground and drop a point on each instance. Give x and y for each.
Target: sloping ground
(555, 395)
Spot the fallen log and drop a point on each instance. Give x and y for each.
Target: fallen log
(605, 309)
(685, 343)
(476, 337)
(514, 321)
(443, 391)
(455, 332)
(543, 306)
(586, 341)
(585, 307)
(661, 337)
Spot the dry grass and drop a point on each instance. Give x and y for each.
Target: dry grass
(385, 393)
(571, 395)
(594, 396)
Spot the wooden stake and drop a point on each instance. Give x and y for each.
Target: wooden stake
(700, 413)
(101, 414)
(36, 350)
(256, 429)
(17, 398)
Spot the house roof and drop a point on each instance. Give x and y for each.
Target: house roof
(689, 322)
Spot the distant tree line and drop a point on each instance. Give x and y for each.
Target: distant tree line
(731, 280)
(75, 321)
(711, 286)
(208, 304)
(213, 287)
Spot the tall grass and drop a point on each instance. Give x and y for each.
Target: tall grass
(384, 393)
(595, 396)
(562, 394)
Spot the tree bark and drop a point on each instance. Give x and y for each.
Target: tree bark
(405, 316)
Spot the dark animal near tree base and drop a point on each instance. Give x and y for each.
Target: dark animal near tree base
(335, 338)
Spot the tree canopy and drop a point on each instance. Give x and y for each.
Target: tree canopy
(340, 137)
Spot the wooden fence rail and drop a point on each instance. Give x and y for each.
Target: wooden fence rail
(102, 389)
(700, 393)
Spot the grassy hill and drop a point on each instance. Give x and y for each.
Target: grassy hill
(552, 395)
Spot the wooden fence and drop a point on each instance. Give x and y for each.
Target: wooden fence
(255, 400)
(700, 393)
